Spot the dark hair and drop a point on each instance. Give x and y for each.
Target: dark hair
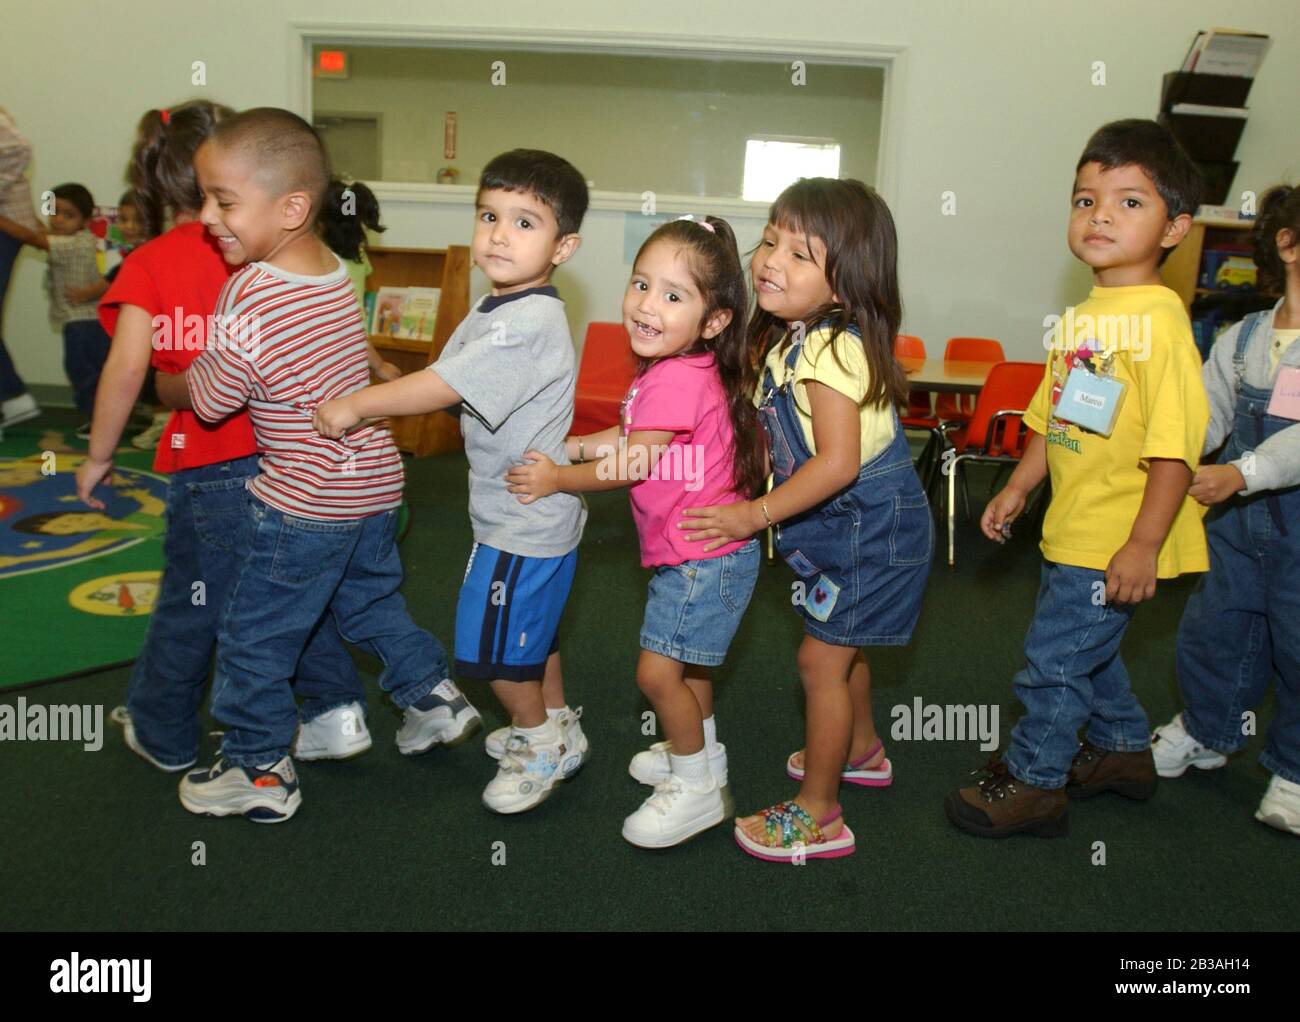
(162, 159)
(131, 198)
(1279, 210)
(853, 222)
(33, 523)
(286, 151)
(78, 195)
(714, 265)
(551, 178)
(344, 231)
(1153, 147)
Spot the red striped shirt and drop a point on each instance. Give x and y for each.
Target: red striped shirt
(282, 343)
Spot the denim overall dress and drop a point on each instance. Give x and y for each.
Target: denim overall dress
(863, 555)
(1243, 619)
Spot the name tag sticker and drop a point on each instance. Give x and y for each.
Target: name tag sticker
(1090, 401)
(1285, 403)
(178, 440)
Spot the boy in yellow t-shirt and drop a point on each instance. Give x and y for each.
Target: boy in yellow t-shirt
(1119, 517)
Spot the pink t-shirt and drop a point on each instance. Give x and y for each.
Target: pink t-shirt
(683, 395)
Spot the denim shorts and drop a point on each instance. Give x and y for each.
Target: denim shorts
(694, 608)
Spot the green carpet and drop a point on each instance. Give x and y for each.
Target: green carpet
(98, 839)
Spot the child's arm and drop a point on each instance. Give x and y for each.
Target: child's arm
(386, 371)
(414, 394)
(836, 432)
(79, 295)
(1005, 508)
(36, 238)
(119, 385)
(616, 465)
(1131, 574)
(173, 390)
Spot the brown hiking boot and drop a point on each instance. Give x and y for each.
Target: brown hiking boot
(1131, 774)
(998, 805)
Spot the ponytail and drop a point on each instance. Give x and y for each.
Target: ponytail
(162, 160)
(346, 214)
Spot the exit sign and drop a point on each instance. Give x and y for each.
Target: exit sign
(331, 64)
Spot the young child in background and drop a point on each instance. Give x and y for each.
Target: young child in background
(688, 435)
(348, 212)
(73, 275)
(852, 519)
(1119, 517)
(322, 552)
(1242, 623)
(167, 282)
(509, 369)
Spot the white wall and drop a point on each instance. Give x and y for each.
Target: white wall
(997, 103)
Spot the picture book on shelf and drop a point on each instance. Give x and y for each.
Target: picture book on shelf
(407, 313)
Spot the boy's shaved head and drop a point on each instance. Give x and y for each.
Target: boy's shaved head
(284, 151)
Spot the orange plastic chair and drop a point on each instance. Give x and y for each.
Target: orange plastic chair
(958, 407)
(604, 375)
(920, 415)
(995, 432)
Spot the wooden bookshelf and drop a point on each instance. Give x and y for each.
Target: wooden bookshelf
(448, 270)
(1182, 270)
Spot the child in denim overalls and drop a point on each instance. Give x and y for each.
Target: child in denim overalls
(853, 520)
(1242, 624)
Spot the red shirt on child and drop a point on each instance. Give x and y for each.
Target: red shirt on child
(176, 279)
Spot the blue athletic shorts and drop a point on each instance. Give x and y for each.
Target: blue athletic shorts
(508, 615)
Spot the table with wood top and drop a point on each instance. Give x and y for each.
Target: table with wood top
(948, 376)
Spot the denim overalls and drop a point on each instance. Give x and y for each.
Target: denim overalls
(864, 555)
(1242, 622)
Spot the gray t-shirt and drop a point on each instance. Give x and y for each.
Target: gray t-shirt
(511, 360)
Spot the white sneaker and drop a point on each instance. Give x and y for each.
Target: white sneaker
(673, 814)
(1175, 750)
(652, 766)
(451, 721)
(340, 733)
(529, 769)
(1280, 806)
(18, 409)
(121, 715)
(495, 743)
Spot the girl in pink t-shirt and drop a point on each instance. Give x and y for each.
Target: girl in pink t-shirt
(687, 438)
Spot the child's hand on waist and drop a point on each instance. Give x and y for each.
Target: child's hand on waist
(538, 477)
(334, 418)
(722, 523)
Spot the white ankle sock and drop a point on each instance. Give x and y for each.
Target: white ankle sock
(543, 732)
(710, 733)
(693, 769)
(554, 711)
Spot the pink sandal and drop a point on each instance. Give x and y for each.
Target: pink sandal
(880, 776)
(783, 841)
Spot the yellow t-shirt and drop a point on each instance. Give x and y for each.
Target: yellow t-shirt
(1282, 339)
(1098, 482)
(849, 376)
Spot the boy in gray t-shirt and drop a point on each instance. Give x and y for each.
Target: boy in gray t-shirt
(509, 370)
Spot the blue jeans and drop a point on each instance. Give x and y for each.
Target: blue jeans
(207, 534)
(1073, 676)
(1240, 628)
(11, 384)
(694, 608)
(85, 348)
(296, 572)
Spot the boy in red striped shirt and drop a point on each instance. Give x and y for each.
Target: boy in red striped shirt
(287, 335)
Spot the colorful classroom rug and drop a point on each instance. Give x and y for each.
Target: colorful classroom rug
(76, 585)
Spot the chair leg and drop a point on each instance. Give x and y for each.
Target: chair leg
(952, 513)
(771, 540)
(965, 494)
